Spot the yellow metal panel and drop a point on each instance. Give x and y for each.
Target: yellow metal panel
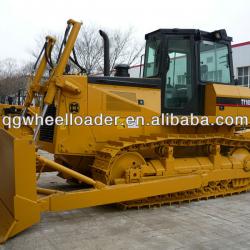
(18, 207)
(212, 91)
(227, 90)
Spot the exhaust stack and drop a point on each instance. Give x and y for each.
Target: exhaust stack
(106, 53)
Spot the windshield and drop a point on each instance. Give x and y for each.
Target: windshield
(152, 60)
(214, 63)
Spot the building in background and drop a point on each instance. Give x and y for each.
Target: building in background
(241, 58)
(241, 61)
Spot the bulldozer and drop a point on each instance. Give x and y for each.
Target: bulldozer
(186, 72)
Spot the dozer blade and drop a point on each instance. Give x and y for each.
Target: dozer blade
(18, 198)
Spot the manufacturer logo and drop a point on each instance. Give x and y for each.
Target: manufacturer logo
(74, 107)
(245, 102)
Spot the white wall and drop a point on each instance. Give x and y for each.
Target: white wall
(241, 57)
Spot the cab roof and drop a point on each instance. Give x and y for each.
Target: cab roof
(198, 34)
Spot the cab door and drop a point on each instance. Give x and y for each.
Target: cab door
(179, 88)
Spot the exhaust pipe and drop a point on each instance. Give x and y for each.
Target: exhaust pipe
(106, 53)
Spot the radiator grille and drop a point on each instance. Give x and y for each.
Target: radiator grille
(47, 131)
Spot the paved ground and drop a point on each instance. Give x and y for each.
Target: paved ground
(213, 224)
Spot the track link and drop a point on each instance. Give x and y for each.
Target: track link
(185, 196)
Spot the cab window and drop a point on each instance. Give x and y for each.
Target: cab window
(152, 60)
(214, 62)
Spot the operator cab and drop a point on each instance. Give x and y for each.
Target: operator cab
(186, 60)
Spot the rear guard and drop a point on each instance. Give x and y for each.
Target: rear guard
(18, 198)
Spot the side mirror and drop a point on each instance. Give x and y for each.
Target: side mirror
(236, 81)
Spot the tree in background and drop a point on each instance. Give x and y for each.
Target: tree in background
(123, 49)
(12, 77)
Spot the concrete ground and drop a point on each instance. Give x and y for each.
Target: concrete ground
(222, 223)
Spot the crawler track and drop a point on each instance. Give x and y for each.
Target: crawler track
(105, 158)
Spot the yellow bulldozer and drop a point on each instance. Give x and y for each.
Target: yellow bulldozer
(186, 72)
